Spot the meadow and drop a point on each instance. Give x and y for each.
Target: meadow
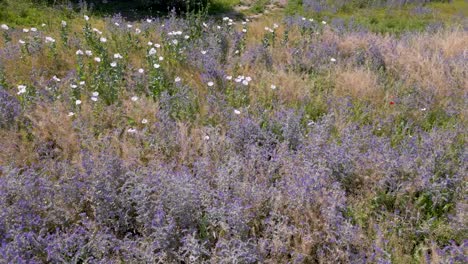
(322, 132)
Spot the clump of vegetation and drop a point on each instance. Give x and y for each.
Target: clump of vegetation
(195, 139)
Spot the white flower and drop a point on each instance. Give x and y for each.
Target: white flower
(144, 121)
(157, 45)
(55, 78)
(303, 18)
(204, 24)
(78, 102)
(229, 77)
(333, 60)
(152, 51)
(423, 109)
(118, 56)
(175, 41)
(82, 83)
(4, 27)
(117, 24)
(25, 30)
(97, 31)
(141, 70)
(218, 27)
(245, 82)
(131, 130)
(206, 137)
(186, 37)
(149, 20)
(49, 39)
(73, 86)
(161, 58)
(35, 29)
(275, 25)
(273, 87)
(137, 30)
(156, 66)
(79, 52)
(97, 59)
(21, 89)
(210, 84)
(129, 26)
(71, 114)
(86, 17)
(311, 19)
(248, 78)
(244, 23)
(22, 42)
(237, 112)
(103, 40)
(150, 43)
(94, 99)
(134, 98)
(177, 79)
(324, 22)
(236, 52)
(64, 23)
(95, 94)
(203, 52)
(113, 64)
(244, 30)
(267, 28)
(225, 18)
(89, 53)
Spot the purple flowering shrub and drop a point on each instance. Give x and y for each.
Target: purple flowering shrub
(176, 140)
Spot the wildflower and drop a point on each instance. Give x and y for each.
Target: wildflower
(244, 30)
(210, 84)
(303, 18)
(186, 37)
(131, 130)
(22, 42)
(4, 27)
(150, 43)
(25, 30)
(95, 94)
(175, 41)
(64, 23)
(82, 83)
(152, 52)
(204, 24)
(86, 17)
(248, 78)
(161, 58)
(78, 102)
(97, 31)
(144, 121)
(245, 82)
(49, 40)
(137, 30)
(103, 40)
(129, 26)
(97, 59)
(244, 23)
(73, 86)
(225, 18)
(134, 98)
(156, 66)
(333, 60)
(55, 78)
(149, 20)
(324, 22)
(94, 99)
(117, 24)
(203, 52)
(79, 52)
(237, 112)
(117, 56)
(273, 87)
(113, 64)
(157, 45)
(71, 114)
(141, 70)
(311, 19)
(423, 109)
(177, 79)
(229, 77)
(392, 102)
(89, 53)
(21, 89)
(206, 137)
(275, 25)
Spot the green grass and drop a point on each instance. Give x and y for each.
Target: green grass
(391, 20)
